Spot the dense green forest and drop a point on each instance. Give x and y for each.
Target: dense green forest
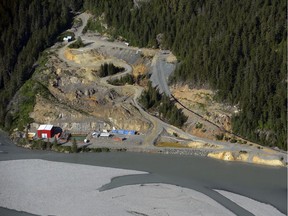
(237, 48)
(27, 27)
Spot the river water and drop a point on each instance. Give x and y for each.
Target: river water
(264, 184)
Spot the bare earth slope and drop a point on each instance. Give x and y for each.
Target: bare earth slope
(83, 102)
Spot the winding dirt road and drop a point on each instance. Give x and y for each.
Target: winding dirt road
(95, 42)
(159, 76)
(158, 72)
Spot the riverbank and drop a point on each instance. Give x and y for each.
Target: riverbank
(267, 158)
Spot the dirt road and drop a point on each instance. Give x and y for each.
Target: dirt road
(160, 72)
(159, 76)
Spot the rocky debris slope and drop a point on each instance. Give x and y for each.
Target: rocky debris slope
(79, 94)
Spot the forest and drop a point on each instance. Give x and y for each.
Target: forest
(237, 48)
(27, 27)
(162, 106)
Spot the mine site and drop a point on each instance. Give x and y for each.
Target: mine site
(83, 105)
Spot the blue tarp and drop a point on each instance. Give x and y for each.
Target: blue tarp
(124, 132)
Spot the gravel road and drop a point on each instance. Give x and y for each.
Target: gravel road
(160, 70)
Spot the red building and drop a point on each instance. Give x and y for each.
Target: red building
(45, 131)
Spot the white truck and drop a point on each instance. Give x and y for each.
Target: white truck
(105, 134)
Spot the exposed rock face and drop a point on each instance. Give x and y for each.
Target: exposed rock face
(239, 156)
(242, 157)
(202, 102)
(271, 162)
(81, 101)
(127, 117)
(227, 156)
(46, 111)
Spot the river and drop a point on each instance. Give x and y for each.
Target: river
(264, 184)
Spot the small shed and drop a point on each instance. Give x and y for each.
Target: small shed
(45, 131)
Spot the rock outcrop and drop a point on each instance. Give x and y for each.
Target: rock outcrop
(244, 157)
(227, 156)
(271, 162)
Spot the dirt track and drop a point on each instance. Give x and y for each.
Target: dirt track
(160, 72)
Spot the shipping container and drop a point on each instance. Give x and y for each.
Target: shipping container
(124, 132)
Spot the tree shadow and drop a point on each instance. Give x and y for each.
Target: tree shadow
(87, 44)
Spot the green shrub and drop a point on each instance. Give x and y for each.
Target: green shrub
(26, 99)
(219, 136)
(128, 79)
(243, 152)
(77, 44)
(198, 125)
(66, 149)
(74, 147)
(22, 142)
(122, 150)
(104, 149)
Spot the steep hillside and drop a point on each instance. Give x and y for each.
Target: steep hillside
(237, 49)
(27, 28)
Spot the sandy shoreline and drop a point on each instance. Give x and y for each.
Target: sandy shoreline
(55, 188)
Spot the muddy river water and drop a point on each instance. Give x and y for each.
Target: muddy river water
(264, 184)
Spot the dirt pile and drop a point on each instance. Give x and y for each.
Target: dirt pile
(84, 58)
(139, 69)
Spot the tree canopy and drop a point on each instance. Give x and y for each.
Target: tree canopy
(237, 48)
(27, 27)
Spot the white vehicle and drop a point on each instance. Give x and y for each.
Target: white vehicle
(95, 134)
(104, 134)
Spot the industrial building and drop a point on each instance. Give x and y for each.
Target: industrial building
(45, 131)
